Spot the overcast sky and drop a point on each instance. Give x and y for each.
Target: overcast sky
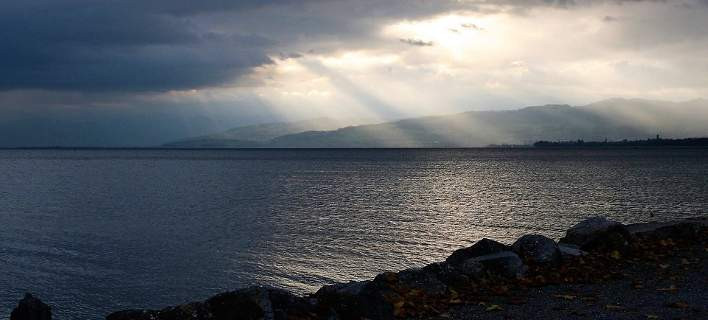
(258, 60)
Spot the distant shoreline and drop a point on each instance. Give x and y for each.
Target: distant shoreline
(541, 146)
(657, 142)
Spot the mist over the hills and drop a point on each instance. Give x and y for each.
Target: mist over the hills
(613, 119)
(257, 135)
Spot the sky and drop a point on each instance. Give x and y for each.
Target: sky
(186, 67)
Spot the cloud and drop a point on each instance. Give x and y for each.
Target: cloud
(116, 50)
(417, 42)
(471, 26)
(113, 46)
(135, 45)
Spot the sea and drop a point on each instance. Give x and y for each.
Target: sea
(92, 231)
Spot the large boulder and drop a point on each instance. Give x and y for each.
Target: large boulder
(249, 303)
(31, 308)
(478, 249)
(193, 310)
(537, 249)
(472, 268)
(690, 228)
(506, 263)
(351, 288)
(342, 300)
(598, 233)
(681, 230)
(424, 279)
(569, 251)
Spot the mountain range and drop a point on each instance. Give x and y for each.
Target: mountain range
(612, 119)
(256, 135)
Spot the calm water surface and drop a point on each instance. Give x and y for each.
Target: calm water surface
(94, 231)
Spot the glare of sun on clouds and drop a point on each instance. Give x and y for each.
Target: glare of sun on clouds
(357, 84)
(359, 60)
(295, 90)
(455, 34)
(467, 60)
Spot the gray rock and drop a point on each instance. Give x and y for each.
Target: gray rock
(425, 279)
(598, 233)
(31, 308)
(347, 300)
(478, 249)
(652, 227)
(506, 263)
(537, 249)
(570, 251)
(447, 273)
(255, 303)
(351, 288)
(249, 303)
(472, 268)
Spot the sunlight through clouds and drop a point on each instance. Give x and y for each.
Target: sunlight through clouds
(455, 34)
(236, 63)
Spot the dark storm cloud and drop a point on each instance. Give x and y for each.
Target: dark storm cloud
(122, 45)
(159, 45)
(137, 45)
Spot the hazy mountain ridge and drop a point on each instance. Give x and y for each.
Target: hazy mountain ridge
(257, 135)
(613, 119)
(610, 119)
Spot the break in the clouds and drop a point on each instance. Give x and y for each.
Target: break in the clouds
(366, 58)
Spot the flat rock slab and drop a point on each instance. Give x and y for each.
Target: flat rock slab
(636, 228)
(478, 249)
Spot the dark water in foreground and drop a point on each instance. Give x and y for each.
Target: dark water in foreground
(94, 231)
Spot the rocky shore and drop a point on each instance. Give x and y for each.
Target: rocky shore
(600, 269)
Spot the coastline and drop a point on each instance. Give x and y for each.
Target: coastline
(596, 260)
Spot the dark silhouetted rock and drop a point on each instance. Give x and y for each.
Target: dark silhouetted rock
(505, 263)
(478, 249)
(447, 273)
(472, 268)
(140, 315)
(424, 279)
(31, 308)
(351, 288)
(569, 251)
(537, 249)
(342, 300)
(248, 303)
(598, 233)
(687, 229)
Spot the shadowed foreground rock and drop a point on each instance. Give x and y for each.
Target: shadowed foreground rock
(249, 303)
(538, 249)
(31, 308)
(598, 233)
(479, 248)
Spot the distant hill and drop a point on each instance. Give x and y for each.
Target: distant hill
(614, 119)
(256, 135)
